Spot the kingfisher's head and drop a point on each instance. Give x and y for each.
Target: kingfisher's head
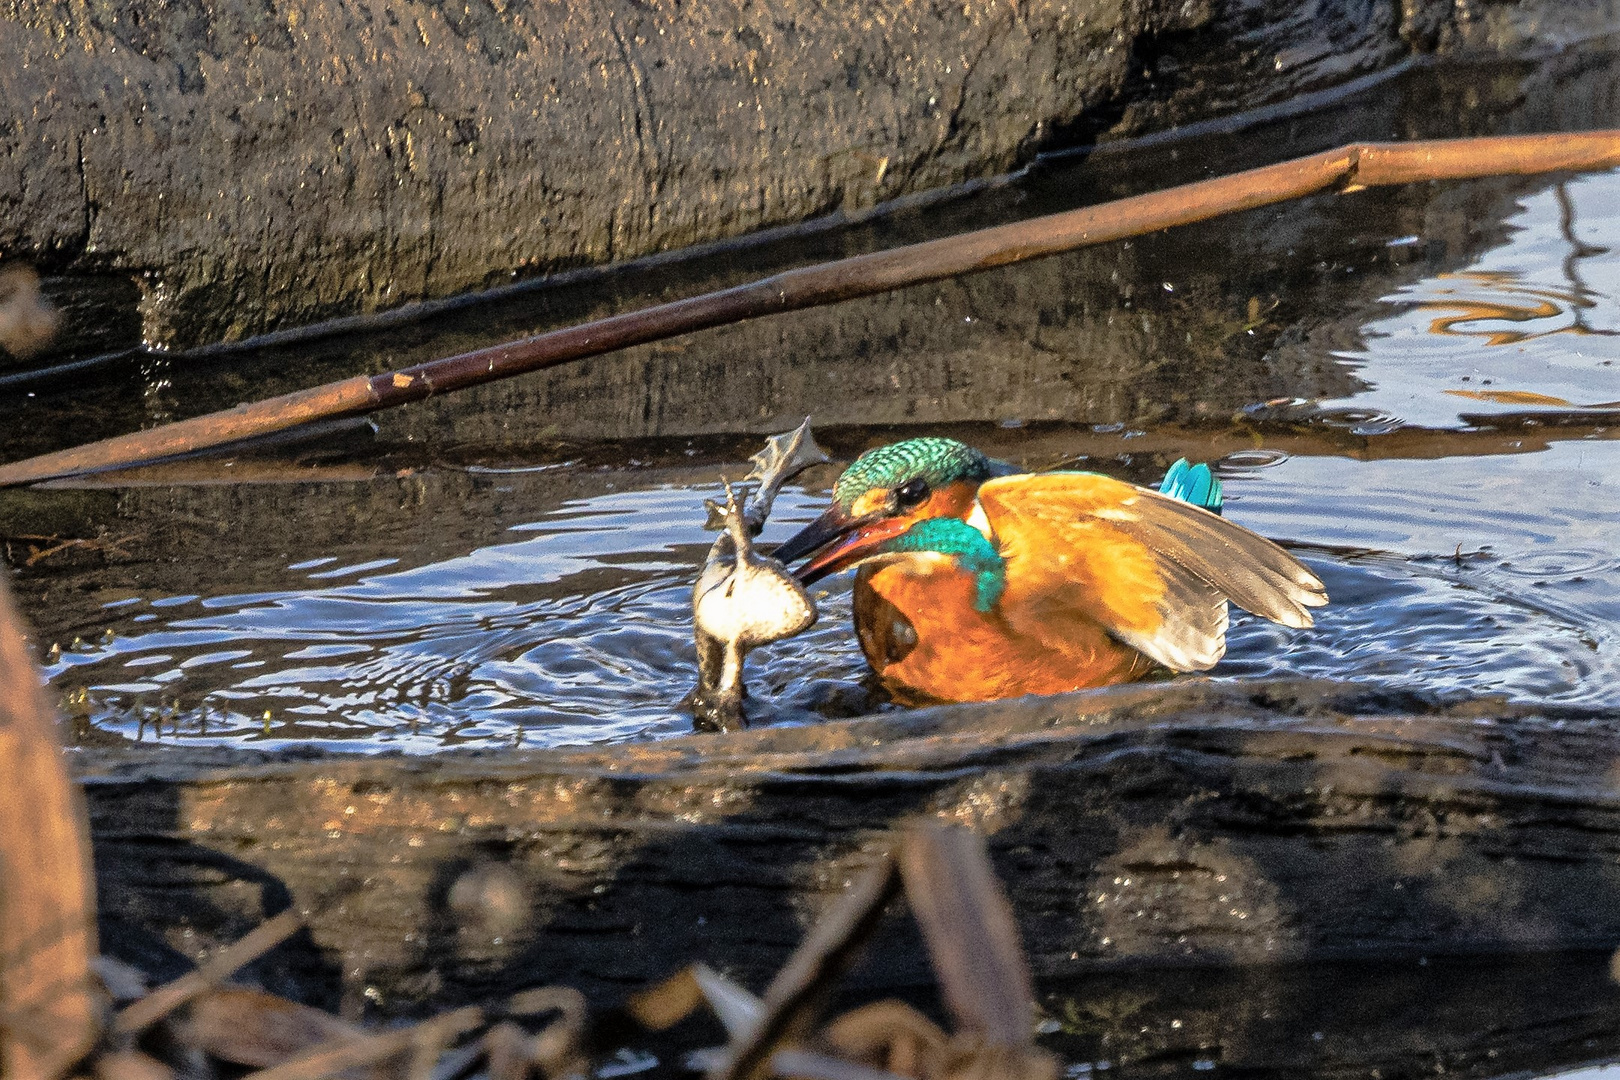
(882, 494)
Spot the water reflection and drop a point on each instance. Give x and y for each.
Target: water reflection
(574, 627)
(1468, 297)
(575, 630)
(1569, 308)
(1532, 324)
(1440, 456)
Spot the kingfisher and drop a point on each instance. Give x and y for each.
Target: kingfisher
(976, 581)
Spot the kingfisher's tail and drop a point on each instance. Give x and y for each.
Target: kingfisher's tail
(1193, 484)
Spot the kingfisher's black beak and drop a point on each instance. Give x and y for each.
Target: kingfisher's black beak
(816, 535)
(835, 541)
(854, 544)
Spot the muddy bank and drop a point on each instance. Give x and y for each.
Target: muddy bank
(194, 173)
(1192, 824)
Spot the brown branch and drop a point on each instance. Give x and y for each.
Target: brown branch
(334, 1057)
(47, 893)
(251, 1027)
(1348, 168)
(221, 966)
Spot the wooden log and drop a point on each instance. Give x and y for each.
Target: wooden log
(1194, 823)
(1346, 169)
(48, 1016)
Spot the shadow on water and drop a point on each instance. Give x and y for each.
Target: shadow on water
(1414, 385)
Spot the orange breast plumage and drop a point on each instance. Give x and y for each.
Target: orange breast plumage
(923, 634)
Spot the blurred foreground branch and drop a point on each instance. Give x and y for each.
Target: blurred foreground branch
(27, 321)
(973, 943)
(47, 895)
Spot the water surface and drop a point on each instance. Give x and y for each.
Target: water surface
(1414, 389)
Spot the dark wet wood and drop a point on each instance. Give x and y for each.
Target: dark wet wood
(1182, 824)
(1346, 169)
(48, 1016)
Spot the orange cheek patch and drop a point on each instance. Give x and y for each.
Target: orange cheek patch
(953, 500)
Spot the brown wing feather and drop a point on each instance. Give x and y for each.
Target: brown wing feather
(1154, 571)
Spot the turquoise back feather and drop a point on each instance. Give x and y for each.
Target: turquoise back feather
(1193, 484)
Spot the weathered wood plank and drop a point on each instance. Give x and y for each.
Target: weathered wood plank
(1193, 823)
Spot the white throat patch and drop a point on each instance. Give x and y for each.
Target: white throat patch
(980, 522)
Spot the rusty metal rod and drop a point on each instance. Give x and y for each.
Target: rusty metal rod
(1348, 168)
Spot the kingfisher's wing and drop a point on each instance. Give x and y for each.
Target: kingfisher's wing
(1154, 571)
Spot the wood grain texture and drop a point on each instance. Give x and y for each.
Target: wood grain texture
(1249, 825)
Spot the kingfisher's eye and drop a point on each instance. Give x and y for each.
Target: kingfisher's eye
(911, 493)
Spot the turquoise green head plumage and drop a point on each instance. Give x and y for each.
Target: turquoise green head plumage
(937, 462)
(964, 543)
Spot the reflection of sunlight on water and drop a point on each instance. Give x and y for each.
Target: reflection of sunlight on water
(577, 632)
(1464, 574)
(461, 650)
(1475, 299)
(1534, 324)
(1492, 575)
(1484, 574)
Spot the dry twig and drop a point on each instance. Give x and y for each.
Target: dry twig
(1348, 168)
(219, 967)
(251, 1027)
(331, 1058)
(972, 941)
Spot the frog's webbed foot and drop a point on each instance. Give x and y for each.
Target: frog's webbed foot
(782, 458)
